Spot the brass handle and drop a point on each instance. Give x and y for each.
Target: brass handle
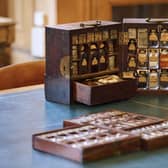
(98, 23)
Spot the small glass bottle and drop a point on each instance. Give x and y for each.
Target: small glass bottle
(142, 58)
(142, 79)
(102, 57)
(164, 79)
(132, 63)
(83, 63)
(153, 79)
(164, 38)
(132, 46)
(163, 58)
(94, 58)
(153, 58)
(153, 38)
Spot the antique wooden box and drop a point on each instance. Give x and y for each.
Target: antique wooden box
(145, 53)
(154, 136)
(115, 119)
(86, 143)
(80, 52)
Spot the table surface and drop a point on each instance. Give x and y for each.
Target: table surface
(27, 112)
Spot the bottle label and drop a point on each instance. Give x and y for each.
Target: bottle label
(142, 58)
(98, 36)
(82, 38)
(132, 33)
(102, 59)
(94, 61)
(153, 58)
(90, 37)
(164, 79)
(75, 40)
(105, 35)
(164, 58)
(142, 79)
(131, 62)
(153, 80)
(142, 38)
(153, 38)
(113, 34)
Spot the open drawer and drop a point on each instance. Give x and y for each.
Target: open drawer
(92, 93)
(86, 143)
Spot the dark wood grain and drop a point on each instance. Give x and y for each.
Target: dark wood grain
(155, 143)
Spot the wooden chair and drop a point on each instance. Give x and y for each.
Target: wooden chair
(23, 74)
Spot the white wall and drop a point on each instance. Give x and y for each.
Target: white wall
(22, 11)
(49, 7)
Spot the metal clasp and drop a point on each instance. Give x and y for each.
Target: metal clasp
(98, 23)
(156, 21)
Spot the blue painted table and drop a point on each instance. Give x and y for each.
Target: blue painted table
(25, 113)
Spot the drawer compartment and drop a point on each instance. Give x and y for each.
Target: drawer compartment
(91, 93)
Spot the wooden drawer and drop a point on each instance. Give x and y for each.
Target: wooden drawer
(115, 119)
(86, 143)
(154, 136)
(92, 94)
(88, 119)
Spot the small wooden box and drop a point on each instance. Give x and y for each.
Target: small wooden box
(93, 94)
(84, 51)
(133, 48)
(153, 137)
(86, 143)
(113, 119)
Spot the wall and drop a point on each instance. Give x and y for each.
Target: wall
(22, 11)
(3, 8)
(49, 7)
(74, 10)
(78, 10)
